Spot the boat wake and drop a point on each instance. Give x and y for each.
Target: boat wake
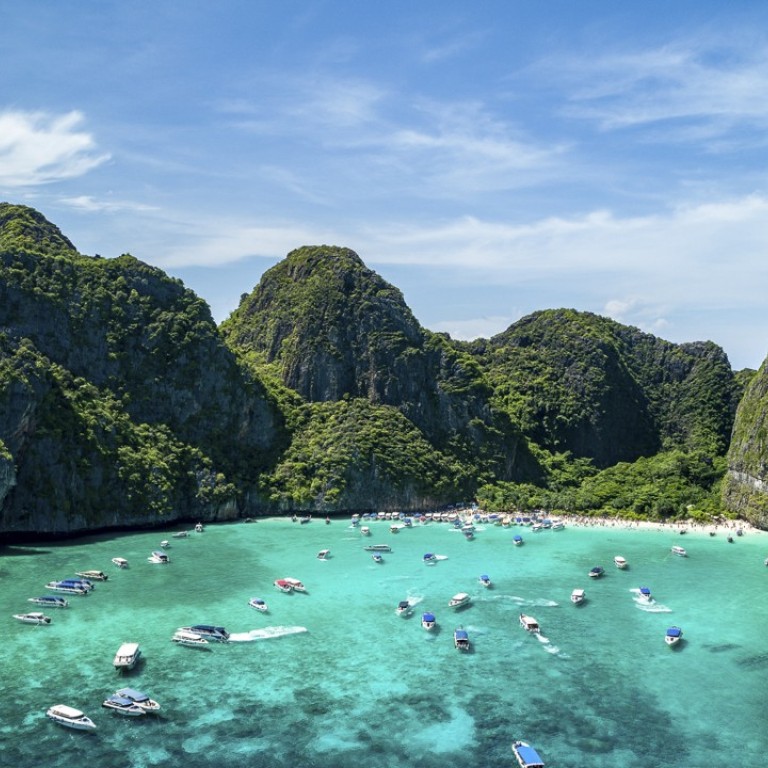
(267, 633)
(441, 557)
(652, 607)
(548, 647)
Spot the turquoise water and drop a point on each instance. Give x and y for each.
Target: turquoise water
(334, 678)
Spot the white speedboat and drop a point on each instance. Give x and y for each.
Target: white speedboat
(323, 554)
(578, 596)
(199, 528)
(404, 608)
(258, 604)
(529, 624)
(461, 639)
(160, 557)
(32, 618)
(365, 530)
(208, 631)
(180, 534)
(645, 594)
(679, 551)
(69, 586)
(95, 575)
(428, 621)
(673, 636)
(620, 562)
(165, 543)
(50, 601)
(429, 558)
(189, 639)
(377, 558)
(127, 656)
(485, 580)
(459, 600)
(70, 717)
(120, 562)
(526, 755)
(123, 706)
(139, 698)
(596, 572)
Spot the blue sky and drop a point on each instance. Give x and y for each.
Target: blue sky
(488, 159)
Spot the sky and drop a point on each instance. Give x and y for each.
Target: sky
(488, 159)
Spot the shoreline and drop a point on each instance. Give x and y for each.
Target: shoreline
(729, 527)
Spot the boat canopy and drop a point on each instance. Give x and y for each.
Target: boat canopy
(645, 591)
(132, 694)
(122, 701)
(428, 617)
(403, 604)
(674, 632)
(485, 577)
(461, 634)
(528, 755)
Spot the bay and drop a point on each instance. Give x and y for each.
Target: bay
(334, 677)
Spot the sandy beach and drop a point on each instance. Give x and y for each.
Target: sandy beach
(725, 528)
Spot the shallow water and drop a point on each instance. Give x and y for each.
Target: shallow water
(334, 678)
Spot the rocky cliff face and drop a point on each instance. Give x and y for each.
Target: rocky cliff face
(119, 401)
(745, 489)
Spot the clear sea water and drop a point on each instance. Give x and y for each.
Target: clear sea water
(334, 678)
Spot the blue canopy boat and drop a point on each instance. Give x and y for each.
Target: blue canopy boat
(596, 572)
(428, 620)
(518, 540)
(527, 756)
(485, 580)
(461, 639)
(430, 558)
(674, 636)
(645, 593)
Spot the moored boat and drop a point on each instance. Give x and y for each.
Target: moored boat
(189, 639)
(283, 585)
(526, 755)
(120, 562)
(323, 554)
(296, 585)
(377, 558)
(378, 548)
(529, 624)
(32, 618)
(461, 639)
(596, 572)
(127, 656)
(459, 600)
(123, 706)
(673, 636)
(199, 528)
(139, 698)
(69, 586)
(180, 535)
(51, 601)
(428, 621)
(258, 604)
(70, 717)
(365, 531)
(620, 562)
(578, 596)
(95, 575)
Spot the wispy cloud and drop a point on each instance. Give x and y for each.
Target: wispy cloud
(91, 205)
(40, 148)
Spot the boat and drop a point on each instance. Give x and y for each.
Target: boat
(517, 540)
(158, 556)
(51, 601)
(485, 580)
(127, 656)
(596, 572)
(199, 528)
(558, 525)
(459, 600)
(296, 585)
(578, 596)
(620, 562)
(208, 631)
(32, 618)
(305, 520)
(377, 558)
(403, 608)
(120, 562)
(394, 528)
(461, 639)
(429, 558)
(526, 755)
(529, 624)
(189, 639)
(428, 621)
(645, 594)
(258, 604)
(679, 551)
(69, 586)
(70, 717)
(165, 543)
(180, 535)
(674, 636)
(378, 548)
(139, 698)
(323, 554)
(123, 706)
(365, 530)
(95, 575)
(283, 585)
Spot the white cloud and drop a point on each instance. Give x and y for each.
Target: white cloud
(39, 148)
(90, 205)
